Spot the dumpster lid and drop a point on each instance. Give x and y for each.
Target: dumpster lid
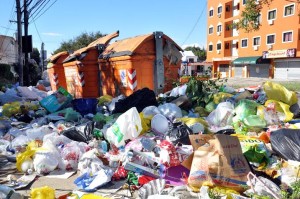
(129, 45)
(53, 58)
(102, 40)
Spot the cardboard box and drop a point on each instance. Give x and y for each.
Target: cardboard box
(220, 162)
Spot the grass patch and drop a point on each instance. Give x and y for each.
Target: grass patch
(292, 86)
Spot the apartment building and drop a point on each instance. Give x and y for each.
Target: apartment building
(272, 52)
(8, 50)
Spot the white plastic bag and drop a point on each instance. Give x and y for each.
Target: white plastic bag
(127, 126)
(170, 111)
(38, 133)
(222, 115)
(150, 111)
(57, 139)
(47, 159)
(71, 154)
(90, 163)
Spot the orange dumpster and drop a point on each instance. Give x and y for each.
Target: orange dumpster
(56, 71)
(82, 70)
(150, 60)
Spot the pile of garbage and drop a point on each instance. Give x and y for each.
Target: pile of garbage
(241, 143)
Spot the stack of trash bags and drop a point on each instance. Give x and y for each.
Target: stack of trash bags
(245, 146)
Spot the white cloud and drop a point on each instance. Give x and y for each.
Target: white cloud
(193, 45)
(53, 34)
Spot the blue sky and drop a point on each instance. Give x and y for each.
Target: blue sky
(182, 20)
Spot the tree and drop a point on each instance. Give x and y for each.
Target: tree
(200, 53)
(78, 42)
(250, 16)
(35, 54)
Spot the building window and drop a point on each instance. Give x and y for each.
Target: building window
(227, 27)
(191, 60)
(211, 13)
(289, 10)
(256, 41)
(244, 43)
(270, 39)
(272, 14)
(287, 36)
(210, 47)
(219, 9)
(258, 20)
(210, 30)
(244, 2)
(219, 46)
(219, 28)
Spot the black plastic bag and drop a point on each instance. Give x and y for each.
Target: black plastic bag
(80, 133)
(139, 99)
(286, 143)
(180, 133)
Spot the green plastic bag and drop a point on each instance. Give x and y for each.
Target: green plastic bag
(244, 109)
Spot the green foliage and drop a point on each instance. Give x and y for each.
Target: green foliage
(295, 191)
(213, 194)
(78, 42)
(200, 53)
(250, 16)
(35, 54)
(5, 71)
(201, 91)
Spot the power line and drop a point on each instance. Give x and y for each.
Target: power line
(37, 31)
(204, 8)
(40, 7)
(7, 28)
(35, 18)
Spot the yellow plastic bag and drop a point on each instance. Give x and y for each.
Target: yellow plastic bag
(190, 121)
(103, 99)
(27, 155)
(42, 193)
(11, 109)
(146, 123)
(220, 97)
(275, 91)
(282, 108)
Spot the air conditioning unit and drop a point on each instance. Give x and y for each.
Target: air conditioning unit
(218, 33)
(218, 51)
(271, 22)
(270, 46)
(219, 15)
(255, 47)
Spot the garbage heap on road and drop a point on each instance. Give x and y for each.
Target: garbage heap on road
(199, 140)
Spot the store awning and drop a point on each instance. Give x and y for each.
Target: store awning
(251, 60)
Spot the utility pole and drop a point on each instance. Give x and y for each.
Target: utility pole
(26, 71)
(20, 61)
